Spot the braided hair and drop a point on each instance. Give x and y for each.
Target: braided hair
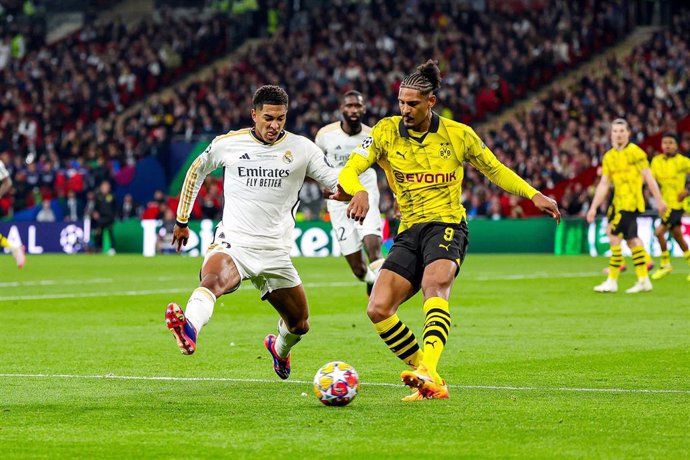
(426, 79)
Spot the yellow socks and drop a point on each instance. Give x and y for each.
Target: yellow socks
(436, 330)
(640, 261)
(615, 262)
(686, 254)
(666, 258)
(3, 242)
(400, 340)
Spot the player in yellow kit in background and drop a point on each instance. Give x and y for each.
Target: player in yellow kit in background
(422, 155)
(671, 169)
(625, 166)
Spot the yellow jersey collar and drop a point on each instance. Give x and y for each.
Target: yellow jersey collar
(435, 122)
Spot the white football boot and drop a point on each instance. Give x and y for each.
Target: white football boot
(375, 266)
(642, 285)
(610, 285)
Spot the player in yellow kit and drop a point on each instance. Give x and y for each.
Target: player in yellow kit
(422, 155)
(625, 166)
(671, 169)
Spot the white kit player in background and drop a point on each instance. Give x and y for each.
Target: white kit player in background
(338, 140)
(264, 169)
(16, 249)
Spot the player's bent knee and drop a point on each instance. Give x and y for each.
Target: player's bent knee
(217, 284)
(378, 311)
(300, 327)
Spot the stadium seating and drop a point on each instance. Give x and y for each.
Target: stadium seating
(488, 60)
(560, 140)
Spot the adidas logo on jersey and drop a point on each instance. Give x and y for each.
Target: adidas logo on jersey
(245, 157)
(338, 148)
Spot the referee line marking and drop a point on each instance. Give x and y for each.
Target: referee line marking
(304, 382)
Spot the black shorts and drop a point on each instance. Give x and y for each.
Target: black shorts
(624, 223)
(421, 244)
(673, 218)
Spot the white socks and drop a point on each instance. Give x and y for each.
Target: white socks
(285, 340)
(200, 307)
(369, 276)
(373, 270)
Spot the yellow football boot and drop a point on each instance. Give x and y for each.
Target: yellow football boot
(423, 385)
(662, 272)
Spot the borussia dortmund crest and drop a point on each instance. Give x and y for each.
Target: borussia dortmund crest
(445, 151)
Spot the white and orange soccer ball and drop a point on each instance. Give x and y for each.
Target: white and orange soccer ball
(336, 384)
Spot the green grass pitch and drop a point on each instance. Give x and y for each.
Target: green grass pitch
(539, 366)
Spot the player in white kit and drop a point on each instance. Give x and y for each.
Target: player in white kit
(264, 169)
(17, 250)
(338, 140)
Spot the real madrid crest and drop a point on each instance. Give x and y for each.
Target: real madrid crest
(445, 151)
(287, 157)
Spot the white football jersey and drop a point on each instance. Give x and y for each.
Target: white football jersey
(337, 145)
(3, 171)
(261, 185)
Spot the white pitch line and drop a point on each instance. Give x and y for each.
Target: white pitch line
(129, 293)
(78, 295)
(530, 276)
(55, 282)
(336, 284)
(304, 382)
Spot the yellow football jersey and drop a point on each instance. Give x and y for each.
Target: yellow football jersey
(425, 170)
(624, 168)
(671, 173)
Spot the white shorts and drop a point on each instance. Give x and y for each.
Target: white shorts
(268, 269)
(349, 233)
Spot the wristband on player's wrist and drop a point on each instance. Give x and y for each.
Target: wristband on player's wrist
(180, 224)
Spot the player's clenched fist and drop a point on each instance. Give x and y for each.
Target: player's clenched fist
(359, 206)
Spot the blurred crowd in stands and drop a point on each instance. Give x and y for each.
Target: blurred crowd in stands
(567, 131)
(65, 126)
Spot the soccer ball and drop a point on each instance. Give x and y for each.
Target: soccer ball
(336, 384)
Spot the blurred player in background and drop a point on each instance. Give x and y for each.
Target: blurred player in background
(625, 166)
(264, 169)
(338, 140)
(610, 214)
(17, 250)
(422, 155)
(671, 169)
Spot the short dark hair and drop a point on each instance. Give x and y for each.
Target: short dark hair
(621, 121)
(426, 79)
(352, 92)
(673, 136)
(271, 95)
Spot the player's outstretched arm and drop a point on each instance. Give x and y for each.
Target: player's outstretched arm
(654, 188)
(197, 172)
(339, 194)
(348, 181)
(599, 195)
(359, 206)
(547, 205)
(180, 237)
